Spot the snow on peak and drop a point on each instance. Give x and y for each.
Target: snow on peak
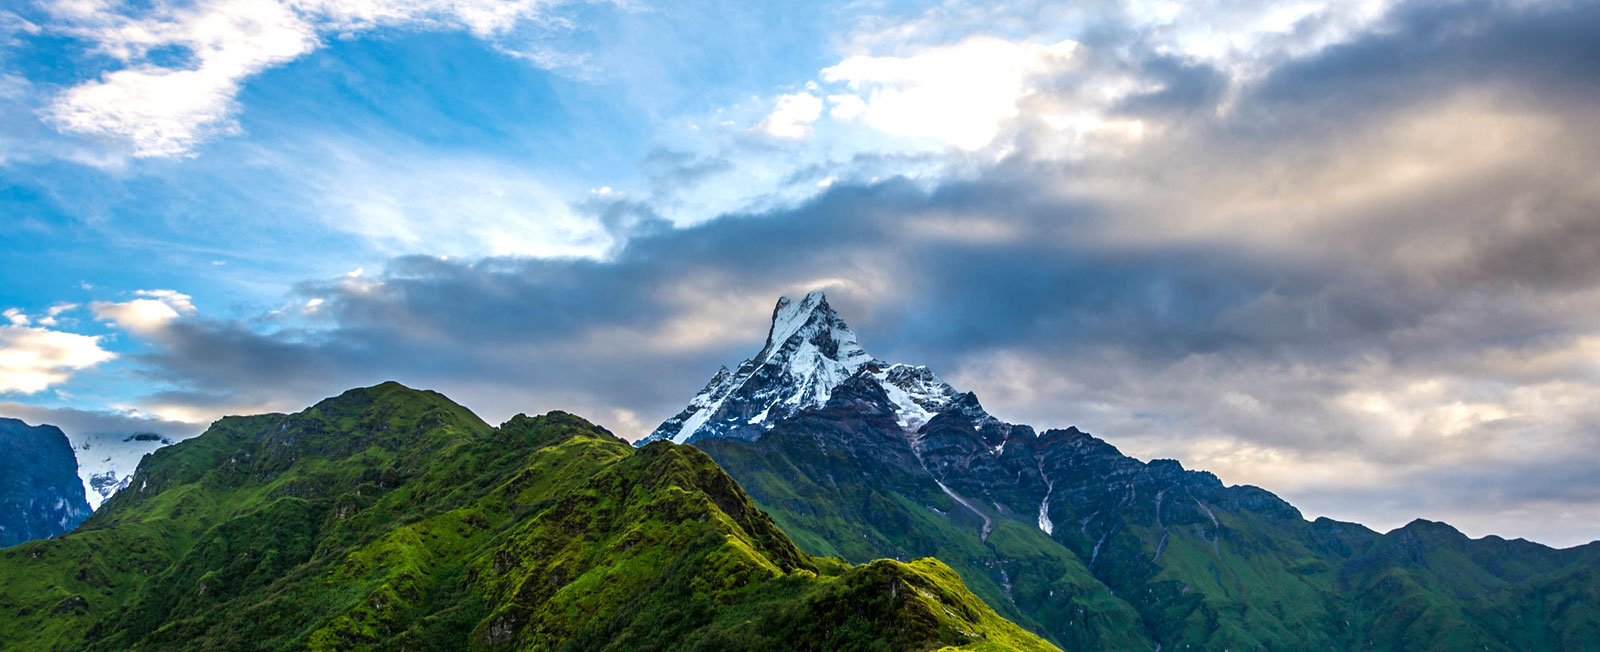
(916, 392)
(106, 461)
(809, 352)
(789, 316)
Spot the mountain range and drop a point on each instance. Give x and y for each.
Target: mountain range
(812, 498)
(862, 459)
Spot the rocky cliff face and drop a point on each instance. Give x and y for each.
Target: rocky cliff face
(40, 493)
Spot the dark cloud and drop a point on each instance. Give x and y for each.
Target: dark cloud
(1425, 50)
(1562, 250)
(1184, 88)
(624, 219)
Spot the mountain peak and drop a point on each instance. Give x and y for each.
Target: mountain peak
(790, 317)
(809, 352)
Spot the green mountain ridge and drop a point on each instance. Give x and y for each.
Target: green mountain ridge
(1146, 556)
(393, 519)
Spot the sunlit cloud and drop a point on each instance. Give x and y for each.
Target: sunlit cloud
(147, 315)
(957, 94)
(34, 359)
(792, 116)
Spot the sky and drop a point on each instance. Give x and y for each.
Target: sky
(1346, 251)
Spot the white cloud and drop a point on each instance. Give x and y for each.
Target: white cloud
(178, 300)
(448, 205)
(52, 315)
(959, 94)
(33, 359)
(166, 110)
(1245, 36)
(145, 316)
(846, 107)
(792, 116)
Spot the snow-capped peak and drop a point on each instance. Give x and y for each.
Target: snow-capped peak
(790, 316)
(809, 352)
(106, 461)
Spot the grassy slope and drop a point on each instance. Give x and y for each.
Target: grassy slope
(393, 519)
(1249, 581)
(831, 507)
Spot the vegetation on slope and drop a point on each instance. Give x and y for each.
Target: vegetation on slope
(844, 480)
(1143, 555)
(389, 519)
(834, 503)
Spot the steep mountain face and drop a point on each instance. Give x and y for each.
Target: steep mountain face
(40, 495)
(388, 518)
(809, 352)
(1093, 549)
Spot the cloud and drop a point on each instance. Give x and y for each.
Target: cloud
(447, 203)
(671, 171)
(78, 424)
(162, 108)
(958, 94)
(33, 359)
(52, 315)
(165, 111)
(846, 107)
(792, 116)
(147, 315)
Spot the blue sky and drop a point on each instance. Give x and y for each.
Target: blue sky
(1343, 250)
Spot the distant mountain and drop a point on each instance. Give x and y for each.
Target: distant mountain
(1090, 548)
(393, 519)
(40, 495)
(106, 461)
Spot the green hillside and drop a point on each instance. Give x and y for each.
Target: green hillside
(861, 504)
(1148, 555)
(393, 519)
